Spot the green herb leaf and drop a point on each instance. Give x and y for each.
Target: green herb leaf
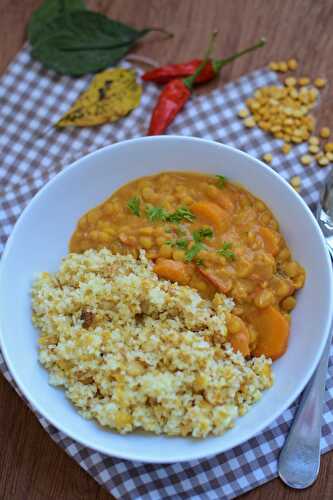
(79, 42)
(202, 233)
(156, 214)
(48, 10)
(221, 180)
(182, 244)
(134, 205)
(226, 251)
(181, 214)
(193, 251)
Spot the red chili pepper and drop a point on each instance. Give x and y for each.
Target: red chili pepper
(212, 68)
(174, 97)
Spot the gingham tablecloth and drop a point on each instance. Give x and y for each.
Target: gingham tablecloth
(31, 152)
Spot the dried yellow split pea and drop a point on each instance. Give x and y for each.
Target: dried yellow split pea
(313, 140)
(249, 122)
(267, 158)
(328, 147)
(290, 81)
(286, 148)
(292, 64)
(320, 82)
(306, 160)
(323, 161)
(303, 80)
(324, 132)
(313, 149)
(243, 113)
(295, 181)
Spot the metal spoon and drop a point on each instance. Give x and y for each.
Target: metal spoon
(299, 459)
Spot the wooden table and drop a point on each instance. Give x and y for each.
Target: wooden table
(32, 467)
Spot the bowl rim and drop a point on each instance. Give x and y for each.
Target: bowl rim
(217, 449)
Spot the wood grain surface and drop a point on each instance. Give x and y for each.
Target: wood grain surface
(32, 467)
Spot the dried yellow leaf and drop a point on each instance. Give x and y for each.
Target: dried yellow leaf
(112, 94)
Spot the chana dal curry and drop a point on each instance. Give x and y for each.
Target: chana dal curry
(212, 235)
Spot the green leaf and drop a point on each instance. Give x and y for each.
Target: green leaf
(193, 251)
(48, 10)
(183, 244)
(134, 205)
(221, 180)
(181, 214)
(80, 42)
(156, 214)
(202, 233)
(226, 251)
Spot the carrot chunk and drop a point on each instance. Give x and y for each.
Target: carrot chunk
(172, 270)
(271, 240)
(211, 212)
(273, 332)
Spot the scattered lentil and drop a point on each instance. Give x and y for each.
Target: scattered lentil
(274, 66)
(286, 148)
(243, 113)
(323, 161)
(313, 140)
(304, 80)
(324, 132)
(313, 149)
(320, 82)
(295, 181)
(292, 64)
(328, 147)
(329, 156)
(267, 158)
(306, 160)
(290, 81)
(283, 67)
(249, 122)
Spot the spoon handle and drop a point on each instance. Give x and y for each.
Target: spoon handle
(299, 459)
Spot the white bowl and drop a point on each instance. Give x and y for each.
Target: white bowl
(40, 240)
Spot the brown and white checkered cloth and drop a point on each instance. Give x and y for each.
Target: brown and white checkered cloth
(31, 152)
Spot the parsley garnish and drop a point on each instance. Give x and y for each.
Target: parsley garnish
(202, 233)
(180, 215)
(193, 251)
(198, 236)
(134, 205)
(221, 180)
(226, 251)
(182, 244)
(156, 213)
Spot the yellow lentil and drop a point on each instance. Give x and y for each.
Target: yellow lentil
(323, 162)
(267, 158)
(243, 113)
(313, 140)
(295, 181)
(286, 148)
(313, 149)
(283, 67)
(320, 82)
(328, 147)
(324, 132)
(304, 80)
(329, 156)
(306, 160)
(292, 64)
(274, 66)
(290, 81)
(249, 122)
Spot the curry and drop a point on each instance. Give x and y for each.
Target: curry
(213, 235)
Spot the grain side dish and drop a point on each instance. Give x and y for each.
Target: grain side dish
(135, 351)
(213, 235)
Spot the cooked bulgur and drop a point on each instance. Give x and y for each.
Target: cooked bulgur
(137, 352)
